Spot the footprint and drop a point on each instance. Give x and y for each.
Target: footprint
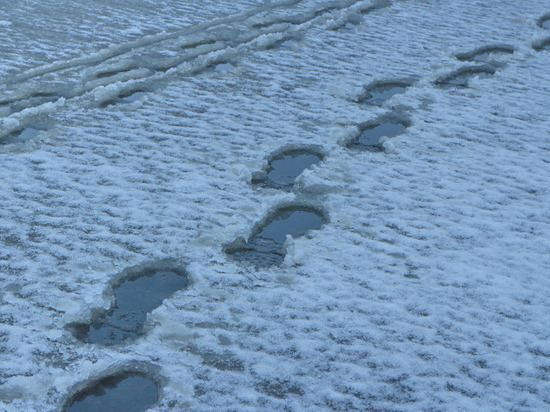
(460, 77)
(284, 167)
(544, 21)
(378, 92)
(543, 44)
(371, 135)
(138, 292)
(266, 246)
(485, 53)
(126, 391)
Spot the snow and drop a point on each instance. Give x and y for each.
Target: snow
(428, 286)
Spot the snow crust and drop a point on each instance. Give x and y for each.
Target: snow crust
(427, 288)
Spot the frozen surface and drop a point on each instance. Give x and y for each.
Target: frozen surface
(427, 288)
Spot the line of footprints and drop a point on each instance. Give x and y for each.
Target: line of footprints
(136, 386)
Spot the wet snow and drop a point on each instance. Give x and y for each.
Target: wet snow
(425, 288)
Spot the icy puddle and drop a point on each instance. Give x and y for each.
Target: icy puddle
(485, 54)
(129, 392)
(371, 135)
(136, 296)
(460, 77)
(378, 93)
(267, 246)
(283, 169)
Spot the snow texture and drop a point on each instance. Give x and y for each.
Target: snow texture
(426, 289)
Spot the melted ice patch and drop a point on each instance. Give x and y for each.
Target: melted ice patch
(129, 392)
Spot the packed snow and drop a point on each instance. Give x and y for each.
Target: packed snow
(131, 133)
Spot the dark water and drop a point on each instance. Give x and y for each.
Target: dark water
(369, 139)
(377, 94)
(266, 248)
(125, 392)
(285, 168)
(134, 299)
(545, 23)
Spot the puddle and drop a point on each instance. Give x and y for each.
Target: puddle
(266, 247)
(370, 136)
(110, 73)
(284, 168)
(20, 136)
(485, 54)
(127, 392)
(137, 295)
(378, 93)
(460, 77)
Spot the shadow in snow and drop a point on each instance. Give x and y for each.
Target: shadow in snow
(485, 53)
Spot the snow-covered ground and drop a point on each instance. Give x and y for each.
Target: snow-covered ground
(428, 287)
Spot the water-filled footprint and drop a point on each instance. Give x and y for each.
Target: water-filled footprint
(127, 391)
(141, 291)
(285, 167)
(266, 245)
